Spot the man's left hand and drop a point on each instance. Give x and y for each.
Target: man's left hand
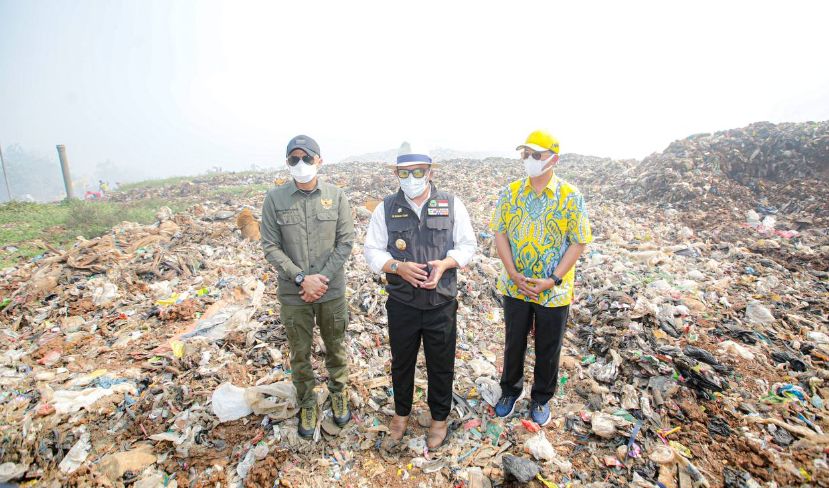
(438, 267)
(540, 284)
(313, 288)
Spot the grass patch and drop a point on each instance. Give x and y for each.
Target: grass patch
(146, 184)
(241, 191)
(175, 180)
(22, 225)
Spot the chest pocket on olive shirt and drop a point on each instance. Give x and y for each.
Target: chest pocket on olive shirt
(327, 222)
(288, 221)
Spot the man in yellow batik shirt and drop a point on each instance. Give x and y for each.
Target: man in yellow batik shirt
(541, 228)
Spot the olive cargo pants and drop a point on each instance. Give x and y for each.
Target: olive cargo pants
(332, 319)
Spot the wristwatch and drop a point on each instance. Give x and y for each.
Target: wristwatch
(299, 278)
(393, 267)
(556, 280)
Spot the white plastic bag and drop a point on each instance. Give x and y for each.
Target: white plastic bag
(229, 403)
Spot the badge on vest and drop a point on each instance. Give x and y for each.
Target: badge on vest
(326, 203)
(400, 244)
(440, 212)
(439, 203)
(400, 214)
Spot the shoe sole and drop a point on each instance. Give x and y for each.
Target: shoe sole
(344, 423)
(512, 410)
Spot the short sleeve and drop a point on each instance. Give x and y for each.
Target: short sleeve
(498, 222)
(578, 222)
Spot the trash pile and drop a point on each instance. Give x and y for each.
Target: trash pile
(154, 355)
(784, 164)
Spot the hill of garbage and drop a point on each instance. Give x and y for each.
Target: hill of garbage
(696, 354)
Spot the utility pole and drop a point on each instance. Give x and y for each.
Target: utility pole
(5, 177)
(64, 165)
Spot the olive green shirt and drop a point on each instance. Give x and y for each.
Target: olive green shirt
(312, 233)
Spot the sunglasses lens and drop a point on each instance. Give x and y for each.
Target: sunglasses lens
(308, 159)
(419, 173)
(403, 173)
(292, 160)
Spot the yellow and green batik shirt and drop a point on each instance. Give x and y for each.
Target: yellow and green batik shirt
(540, 228)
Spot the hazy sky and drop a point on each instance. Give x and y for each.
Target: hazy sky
(176, 87)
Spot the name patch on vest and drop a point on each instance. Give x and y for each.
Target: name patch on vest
(440, 212)
(400, 213)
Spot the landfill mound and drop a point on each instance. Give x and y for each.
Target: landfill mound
(785, 164)
(696, 354)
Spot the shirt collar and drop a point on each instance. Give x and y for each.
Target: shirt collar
(297, 189)
(551, 185)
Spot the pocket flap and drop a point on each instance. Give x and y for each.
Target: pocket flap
(287, 217)
(439, 223)
(327, 215)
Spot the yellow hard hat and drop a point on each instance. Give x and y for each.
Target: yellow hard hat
(540, 140)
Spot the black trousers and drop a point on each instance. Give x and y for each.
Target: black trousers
(437, 328)
(550, 325)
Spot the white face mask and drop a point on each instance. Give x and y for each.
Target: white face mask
(414, 187)
(536, 168)
(302, 172)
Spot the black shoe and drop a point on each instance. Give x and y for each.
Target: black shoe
(307, 422)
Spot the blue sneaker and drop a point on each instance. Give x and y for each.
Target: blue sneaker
(540, 413)
(506, 405)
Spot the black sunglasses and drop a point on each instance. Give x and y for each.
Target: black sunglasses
(294, 160)
(537, 155)
(417, 173)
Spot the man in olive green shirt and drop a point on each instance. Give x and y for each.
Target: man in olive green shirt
(307, 235)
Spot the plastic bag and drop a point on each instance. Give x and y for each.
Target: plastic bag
(229, 403)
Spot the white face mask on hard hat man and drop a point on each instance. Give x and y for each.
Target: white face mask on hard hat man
(535, 167)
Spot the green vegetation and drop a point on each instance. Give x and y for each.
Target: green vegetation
(175, 180)
(154, 183)
(242, 191)
(23, 225)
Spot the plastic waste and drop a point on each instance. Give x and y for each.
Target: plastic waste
(70, 401)
(520, 468)
(603, 425)
(819, 337)
(540, 448)
(243, 468)
(482, 367)
(489, 389)
(229, 403)
(12, 471)
(104, 294)
(757, 313)
(76, 455)
(738, 350)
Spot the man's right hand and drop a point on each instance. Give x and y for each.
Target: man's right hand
(414, 273)
(523, 286)
(313, 288)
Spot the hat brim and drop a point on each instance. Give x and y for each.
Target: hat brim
(412, 163)
(534, 147)
(307, 151)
